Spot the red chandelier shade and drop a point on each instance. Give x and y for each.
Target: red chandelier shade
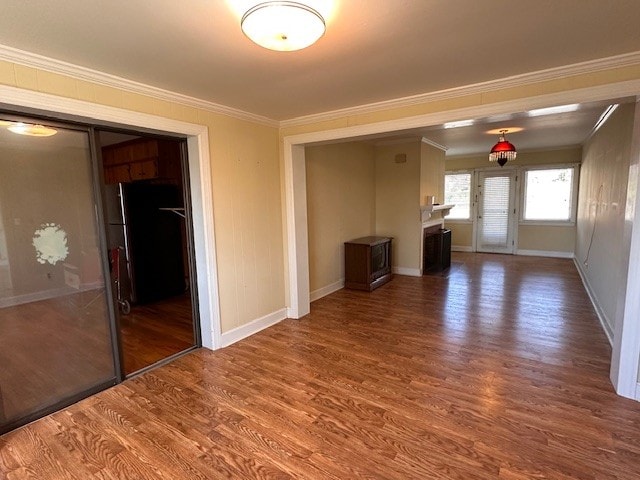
(502, 151)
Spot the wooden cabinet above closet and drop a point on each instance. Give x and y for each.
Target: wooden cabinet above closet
(141, 159)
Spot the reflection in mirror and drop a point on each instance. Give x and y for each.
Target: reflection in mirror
(5, 269)
(55, 339)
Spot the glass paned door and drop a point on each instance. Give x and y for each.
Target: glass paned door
(496, 212)
(55, 335)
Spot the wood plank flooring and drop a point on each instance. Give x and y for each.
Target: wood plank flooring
(153, 332)
(497, 370)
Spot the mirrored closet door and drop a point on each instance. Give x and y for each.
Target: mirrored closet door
(56, 339)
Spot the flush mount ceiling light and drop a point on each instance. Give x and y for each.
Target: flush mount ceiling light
(32, 130)
(502, 151)
(283, 26)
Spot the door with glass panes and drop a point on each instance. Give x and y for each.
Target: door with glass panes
(496, 213)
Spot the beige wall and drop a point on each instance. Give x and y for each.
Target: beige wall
(248, 221)
(530, 237)
(432, 163)
(601, 208)
(355, 189)
(553, 238)
(340, 205)
(461, 234)
(247, 175)
(398, 201)
(246, 190)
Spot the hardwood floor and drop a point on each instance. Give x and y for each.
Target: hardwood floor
(156, 331)
(498, 370)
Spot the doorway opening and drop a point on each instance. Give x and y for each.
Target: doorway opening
(149, 241)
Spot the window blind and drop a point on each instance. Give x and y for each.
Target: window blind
(495, 211)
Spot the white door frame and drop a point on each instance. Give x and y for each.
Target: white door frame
(199, 177)
(513, 205)
(624, 368)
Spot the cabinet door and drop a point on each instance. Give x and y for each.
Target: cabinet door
(116, 156)
(117, 174)
(143, 150)
(143, 170)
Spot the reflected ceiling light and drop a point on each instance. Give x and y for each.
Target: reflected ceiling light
(498, 131)
(553, 110)
(503, 150)
(283, 26)
(32, 130)
(458, 124)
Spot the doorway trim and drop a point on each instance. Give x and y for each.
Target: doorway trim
(199, 176)
(624, 367)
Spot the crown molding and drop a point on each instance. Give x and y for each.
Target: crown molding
(401, 141)
(590, 66)
(41, 62)
(434, 144)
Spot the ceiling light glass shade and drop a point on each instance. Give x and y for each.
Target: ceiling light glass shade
(283, 26)
(502, 151)
(31, 129)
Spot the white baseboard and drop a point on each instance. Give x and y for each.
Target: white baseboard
(411, 272)
(604, 322)
(461, 248)
(243, 331)
(544, 253)
(326, 290)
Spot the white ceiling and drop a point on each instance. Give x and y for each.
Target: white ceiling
(373, 50)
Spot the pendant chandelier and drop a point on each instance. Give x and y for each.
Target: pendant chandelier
(502, 151)
(283, 25)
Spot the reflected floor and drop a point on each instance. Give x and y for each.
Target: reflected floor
(52, 349)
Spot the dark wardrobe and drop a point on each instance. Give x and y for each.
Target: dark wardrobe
(154, 218)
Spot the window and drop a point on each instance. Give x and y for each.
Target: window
(549, 195)
(457, 191)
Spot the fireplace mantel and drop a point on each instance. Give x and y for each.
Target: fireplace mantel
(427, 211)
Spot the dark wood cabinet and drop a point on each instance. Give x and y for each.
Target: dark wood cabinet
(436, 250)
(367, 263)
(141, 160)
